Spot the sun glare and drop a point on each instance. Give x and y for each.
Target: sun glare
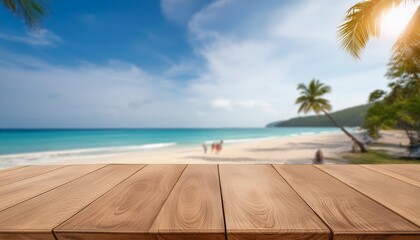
(395, 20)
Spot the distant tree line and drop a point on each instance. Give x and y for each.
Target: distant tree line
(349, 117)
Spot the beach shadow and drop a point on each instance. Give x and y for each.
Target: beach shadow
(261, 161)
(266, 161)
(387, 145)
(221, 159)
(307, 145)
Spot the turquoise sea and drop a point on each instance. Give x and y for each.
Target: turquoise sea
(85, 140)
(29, 143)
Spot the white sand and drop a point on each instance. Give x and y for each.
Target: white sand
(286, 150)
(394, 142)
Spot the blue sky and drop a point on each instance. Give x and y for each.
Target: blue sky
(178, 63)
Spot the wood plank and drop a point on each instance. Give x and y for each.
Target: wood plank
(19, 174)
(18, 192)
(27, 236)
(259, 204)
(384, 189)
(409, 173)
(39, 215)
(128, 210)
(194, 207)
(348, 213)
(11, 168)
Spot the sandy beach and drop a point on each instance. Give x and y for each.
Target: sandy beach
(282, 150)
(285, 150)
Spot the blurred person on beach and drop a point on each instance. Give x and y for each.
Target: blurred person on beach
(319, 157)
(205, 148)
(219, 146)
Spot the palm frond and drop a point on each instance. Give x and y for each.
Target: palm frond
(310, 98)
(30, 10)
(301, 86)
(324, 104)
(303, 108)
(324, 90)
(301, 99)
(363, 21)
(406, 51)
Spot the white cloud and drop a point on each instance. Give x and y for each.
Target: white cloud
(222, 103)
(265, 56)
(309, 20)
(252, 57)
(248, 103)
(41, 37)
(114, 94)
(179, 11)
(258, 104)
(227, 104)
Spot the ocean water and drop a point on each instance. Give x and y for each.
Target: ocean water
(86, 140)
(19, 145)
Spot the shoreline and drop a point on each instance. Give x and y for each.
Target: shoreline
(27, 143)
(298, 149)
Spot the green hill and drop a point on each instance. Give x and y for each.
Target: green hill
(349, 117)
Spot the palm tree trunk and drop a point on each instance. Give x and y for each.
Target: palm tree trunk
(360, 144)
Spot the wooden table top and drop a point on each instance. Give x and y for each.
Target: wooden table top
(130, 201)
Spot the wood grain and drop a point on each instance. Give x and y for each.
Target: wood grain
(20, 191)
(11, 168)
(19, 174)
(26, 236)
(259, 204)
(348, 213)
(91, 202)
(377, 236)
(46, 211)
(194, 207)
(131, 207)
(409, 173)
(384, 189)
(101, 236)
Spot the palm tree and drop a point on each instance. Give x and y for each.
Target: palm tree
(311, 100)
(30, 10)
(363, 21)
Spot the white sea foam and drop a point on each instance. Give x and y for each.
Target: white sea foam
(308, 133)
(240, 140)
(51, 156)
(147, 146)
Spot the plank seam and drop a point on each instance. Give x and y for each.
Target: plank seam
(95, 199)
(331, 234)
(52, 233)
(221, 198)
(387, 175)
(34, 175)
(369, 197)
(166, 199)
(53, 187)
